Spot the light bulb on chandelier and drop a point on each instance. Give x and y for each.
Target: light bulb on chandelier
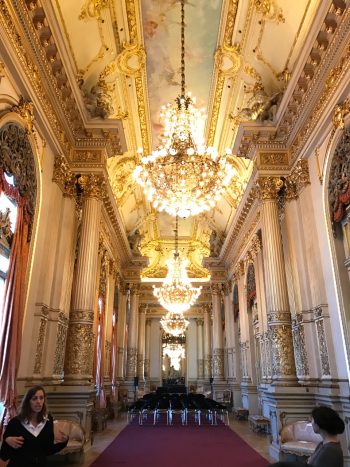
(182, 176)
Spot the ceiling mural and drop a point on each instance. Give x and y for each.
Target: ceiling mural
(161, 28)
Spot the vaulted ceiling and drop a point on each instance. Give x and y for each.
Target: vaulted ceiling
(122, 61)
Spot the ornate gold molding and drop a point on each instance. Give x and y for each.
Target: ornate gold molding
(269, 10)
(132, 59)
(227, 45)
(26, 110)
(340, 112)
(228, 59)
(93, 8)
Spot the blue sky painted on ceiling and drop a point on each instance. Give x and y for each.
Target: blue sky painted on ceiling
(161, 27)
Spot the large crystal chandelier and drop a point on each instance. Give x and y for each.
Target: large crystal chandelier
(182, 176)
(174, 323)
(177, 294)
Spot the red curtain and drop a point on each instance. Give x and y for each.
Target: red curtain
(12, 312)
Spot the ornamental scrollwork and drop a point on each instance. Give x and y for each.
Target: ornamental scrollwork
(60, 348)
(40, 345)
(132, 59)
(339, 179)
(301, 360)
(132, 361)
(218, 362)
(323, 348)
(283, 363)
(17, 160)
(80, 345)
(26, 110)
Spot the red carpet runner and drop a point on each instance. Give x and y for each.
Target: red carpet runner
(180, 446)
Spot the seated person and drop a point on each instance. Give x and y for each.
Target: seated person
(328, 453)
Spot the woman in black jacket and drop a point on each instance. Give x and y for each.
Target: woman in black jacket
(29, 437)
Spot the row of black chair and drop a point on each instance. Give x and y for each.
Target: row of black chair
(196, 406)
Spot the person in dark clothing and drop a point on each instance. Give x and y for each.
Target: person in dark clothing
(329, 425)
(29, 437)
(328, 452)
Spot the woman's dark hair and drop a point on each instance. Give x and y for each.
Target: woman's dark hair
(25, 411)
(328, 420)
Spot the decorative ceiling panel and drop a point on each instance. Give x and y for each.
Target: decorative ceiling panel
(161, 27)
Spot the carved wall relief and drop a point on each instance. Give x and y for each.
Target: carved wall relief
(301, 360)
(41, 340)
(17, 159)
(339, 179)
(322, 343)
(62, 328)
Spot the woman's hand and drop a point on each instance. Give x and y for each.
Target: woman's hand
(15, 441)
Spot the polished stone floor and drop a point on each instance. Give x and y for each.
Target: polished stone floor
(259, 442)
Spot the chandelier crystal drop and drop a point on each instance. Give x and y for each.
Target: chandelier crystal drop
(174, 323)
(177, 293)
(182, 176)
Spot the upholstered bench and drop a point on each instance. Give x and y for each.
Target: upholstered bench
(76, 442)
(299, 439)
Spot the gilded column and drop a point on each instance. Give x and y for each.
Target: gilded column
(109, 350)
(200, 362)
(131, 369)
(147, 347)
(218, 347)
(229, 329)
(122, 303)
(278, 313)
(207, 342)
(80, 349)
(141, 344)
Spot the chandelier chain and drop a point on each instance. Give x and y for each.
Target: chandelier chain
(183, 85)
(176, 254)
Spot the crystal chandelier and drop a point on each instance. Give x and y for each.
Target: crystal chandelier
(177, 294)
(175, 352)
(182, 176)
(174, 323)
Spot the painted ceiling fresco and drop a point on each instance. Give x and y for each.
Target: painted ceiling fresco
(162, 36)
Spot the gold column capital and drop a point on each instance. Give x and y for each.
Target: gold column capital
(216, 289)
(63, 176)
(239, 270)
(135, 289)
(227, 288)
(297, 180)
(93, 185)
(268, 187)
